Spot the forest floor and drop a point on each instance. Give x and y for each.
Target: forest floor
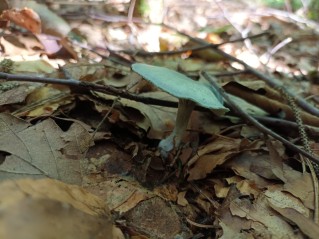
(78, 127)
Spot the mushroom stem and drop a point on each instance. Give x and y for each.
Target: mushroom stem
(185, 108)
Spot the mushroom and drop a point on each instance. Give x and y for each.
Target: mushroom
(189, 93)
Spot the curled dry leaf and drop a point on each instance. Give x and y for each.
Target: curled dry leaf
(263, 221)
(26, 18)
(216, 153)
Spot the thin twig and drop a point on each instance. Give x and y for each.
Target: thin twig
(254, 122)
(89, 86)
(286, 124)
(131, 11)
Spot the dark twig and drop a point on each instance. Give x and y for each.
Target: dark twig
(89, 86)
(254, 122)
(270, 80)
(281, 123)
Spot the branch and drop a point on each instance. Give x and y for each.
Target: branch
(89, 86)
(254, 122)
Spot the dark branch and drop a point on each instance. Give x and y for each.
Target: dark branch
(254, 122)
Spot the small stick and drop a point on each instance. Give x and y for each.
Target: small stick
(88, 86)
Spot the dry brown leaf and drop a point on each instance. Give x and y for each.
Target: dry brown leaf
(230, 232)
(300, 185)
(221, 190)
(283, 199)
(142, 209)
(306, 225)
(263, 220)
(13, 191)
(45, 101)
(246, 165)
(211, 155)
(12, 47)
(36, 151)
(181, 200)
(26, 18)
(156, 119)
(154, 217)
(206, 164)
(258, 171)
(248, 188)
(17, 94)
(52, 24)
(232, 226)
(120, 195)
(276, 158)
(169, 192)
(36, 66)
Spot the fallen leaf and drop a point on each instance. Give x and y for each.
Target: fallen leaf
(263, 220)
(17, 94)
(211, 155)
(157, 120)
(120, 195)
(246, 166)
(52, 24)
(181, 200)
(26, 18)
(41, 150)
(155, 218)
(281, 199)
(305, 224)
(35, 67)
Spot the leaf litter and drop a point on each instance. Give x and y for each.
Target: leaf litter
(227, 181)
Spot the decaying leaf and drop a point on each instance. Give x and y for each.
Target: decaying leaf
(120, 195)
(215, 153)
(157, 120)
(263, 220)
(25, 17)
(145, 211)
(41, 150)
(52, 24)
(306, 225)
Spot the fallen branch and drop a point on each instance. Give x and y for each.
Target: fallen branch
(233, 106)
(88, 86)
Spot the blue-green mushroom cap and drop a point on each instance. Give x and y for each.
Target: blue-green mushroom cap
(181, 86)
